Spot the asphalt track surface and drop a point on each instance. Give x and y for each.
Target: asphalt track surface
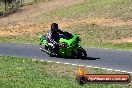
(104, 58)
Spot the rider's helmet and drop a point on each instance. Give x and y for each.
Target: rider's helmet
(54, 27)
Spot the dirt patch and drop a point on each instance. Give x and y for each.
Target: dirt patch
(20, 23)
(93, 20)
(99, 21)
(27, 12)
(21, 28)
(122, 40)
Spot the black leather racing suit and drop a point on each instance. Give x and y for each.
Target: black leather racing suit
(52, 39)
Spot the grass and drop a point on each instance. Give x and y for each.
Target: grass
(31, 2)
(1, 7)
(102, 36)
(122, 45)
(25, 3)
(19, 39)
(18, 72)
(104, 8)
(92, 35)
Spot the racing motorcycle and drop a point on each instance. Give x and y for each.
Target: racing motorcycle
(68, 46)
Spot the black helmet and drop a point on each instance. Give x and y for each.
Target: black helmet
(54, 27)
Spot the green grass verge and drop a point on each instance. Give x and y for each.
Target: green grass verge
(20, 39)
(24, 73)
(122, 45)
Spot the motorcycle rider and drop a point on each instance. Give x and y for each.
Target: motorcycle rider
(52, 37)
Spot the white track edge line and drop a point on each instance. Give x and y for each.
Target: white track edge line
(66, 63)
(74, 64)
(123, 71)
(109, 69)
(129, 72)
(83, 66)
(49, 61)
(58, 62)
(89, 66)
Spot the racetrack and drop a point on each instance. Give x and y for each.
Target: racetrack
(104, 58)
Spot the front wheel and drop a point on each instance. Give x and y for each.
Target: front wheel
(82, 53)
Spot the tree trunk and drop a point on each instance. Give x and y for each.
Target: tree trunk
(5, 4)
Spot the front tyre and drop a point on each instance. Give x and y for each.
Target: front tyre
(82, 53)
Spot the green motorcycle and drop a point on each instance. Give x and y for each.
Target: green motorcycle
(68, 46)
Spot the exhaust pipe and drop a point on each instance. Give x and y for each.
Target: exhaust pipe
(44, 50)
(50, 53)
